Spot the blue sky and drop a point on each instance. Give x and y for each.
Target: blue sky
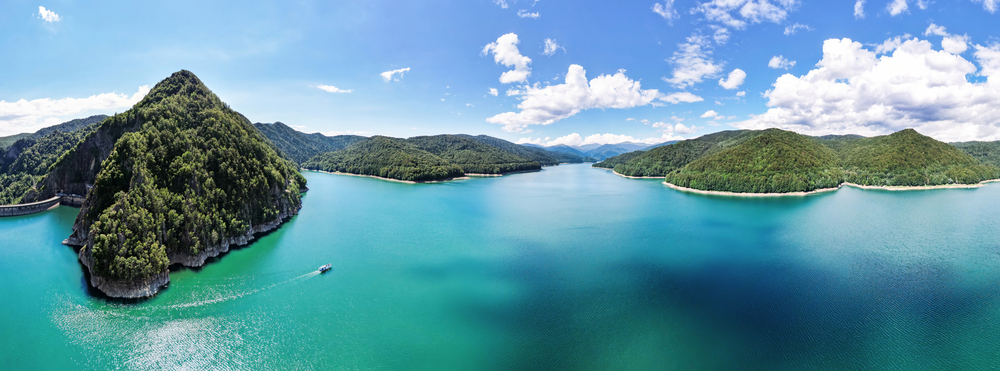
(669, 67)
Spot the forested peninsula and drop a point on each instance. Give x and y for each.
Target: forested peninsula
(778, 161)
(176, 179)
(435, 158)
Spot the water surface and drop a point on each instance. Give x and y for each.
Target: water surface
(567, 268)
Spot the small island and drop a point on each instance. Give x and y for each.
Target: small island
(779, 162)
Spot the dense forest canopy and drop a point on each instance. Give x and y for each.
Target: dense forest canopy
(779, 161)
(193, 175)
(299, 146)
(387, 158)
(433, 158)
(25, 161)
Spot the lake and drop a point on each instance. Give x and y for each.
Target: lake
(567, 268)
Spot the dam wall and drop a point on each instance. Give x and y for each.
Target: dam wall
(37, 207)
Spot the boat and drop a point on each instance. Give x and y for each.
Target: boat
(325, 268)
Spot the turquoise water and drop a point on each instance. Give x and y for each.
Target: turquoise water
(567, 268)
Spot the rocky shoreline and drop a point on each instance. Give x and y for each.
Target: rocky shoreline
(151, 286)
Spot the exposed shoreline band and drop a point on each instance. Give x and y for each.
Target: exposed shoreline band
(823, 190)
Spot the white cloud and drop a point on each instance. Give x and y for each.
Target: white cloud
(524, 13)
(779, 61)
(575, 139)
(709, 114)
(989, 5)
(24, 116)
(543, 106)
(741, 94)
(334, 89)
(680, 97)
(890, 44)
(681, 129)
(896, 7)
(505, 52)
(503, 3)
(734, 80)
(741, 13)
(692, 62)
(859, 9)
(48, 15)
(854, 92)
(954, 44)
(387, 75)
(666, 10)
(494, 92)
(721, 35)
(551, 47)
(793, 29)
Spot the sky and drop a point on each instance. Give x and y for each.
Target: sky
(530, 71)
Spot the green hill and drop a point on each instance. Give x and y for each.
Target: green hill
(772, 161)
(540, 155)
(777, 161)
(387, 158)
(25, 161)
(907, 158)
(473, 156)
(299, 146)
(659, 161)
(184, 178)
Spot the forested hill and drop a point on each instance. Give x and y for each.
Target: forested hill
(777, 161)
(771, 161)
(67, 127)
(433, 158)
(185, 177)
(386, 157)
(299, 146)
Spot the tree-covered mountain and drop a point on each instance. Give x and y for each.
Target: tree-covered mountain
(776, 161)
(770, 161)
(907, 158)
(434, 158)
(177, 178)
(659, 161)
(386, 157)
(299, 146)
(988, 153)
(473, 156)
(25, 161)
(535, 153)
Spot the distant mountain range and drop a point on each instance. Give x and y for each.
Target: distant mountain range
(601, 151)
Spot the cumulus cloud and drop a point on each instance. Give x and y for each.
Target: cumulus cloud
(334, 89)
(710, 114)
(543, 106)
(666, 10)
(692, 62)
(388, 75)
(721, 35)
(505, 52)
(779, 61)
(954, 44)
(852, 91)
(859, 9)
(551, 47)
(989, 5)
(48, 15)
(575, 139)
(680, 97)
(494, 92)
(741, 13)
(24, 116)
(741, 94)
(793, 29)
(734, 80)
(896, 7)
(524, 13)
